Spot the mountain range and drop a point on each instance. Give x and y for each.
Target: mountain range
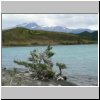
(35, 26)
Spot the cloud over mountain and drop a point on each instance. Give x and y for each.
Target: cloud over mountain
(74, 21)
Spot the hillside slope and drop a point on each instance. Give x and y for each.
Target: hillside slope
(93, 35)
(21, 36)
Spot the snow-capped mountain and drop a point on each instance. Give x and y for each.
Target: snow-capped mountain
(35, 26)
(29, 25)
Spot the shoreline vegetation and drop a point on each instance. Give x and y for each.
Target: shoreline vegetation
(25, 37)
(4, 46)
(39, 70)
(25, 45)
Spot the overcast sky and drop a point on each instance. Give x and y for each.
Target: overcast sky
(67, 20)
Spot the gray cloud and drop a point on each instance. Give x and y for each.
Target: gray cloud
(67, 20)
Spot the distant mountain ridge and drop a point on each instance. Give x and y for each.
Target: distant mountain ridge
(35, 26)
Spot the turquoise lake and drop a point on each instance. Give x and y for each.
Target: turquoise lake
(81, 61)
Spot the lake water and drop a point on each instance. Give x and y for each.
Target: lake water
(81, 61)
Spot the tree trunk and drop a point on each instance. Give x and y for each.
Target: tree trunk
(11, 81)
(60, 71)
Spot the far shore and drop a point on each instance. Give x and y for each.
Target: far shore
(4, 46)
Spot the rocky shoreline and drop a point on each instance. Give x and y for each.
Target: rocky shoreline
(24, 78)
